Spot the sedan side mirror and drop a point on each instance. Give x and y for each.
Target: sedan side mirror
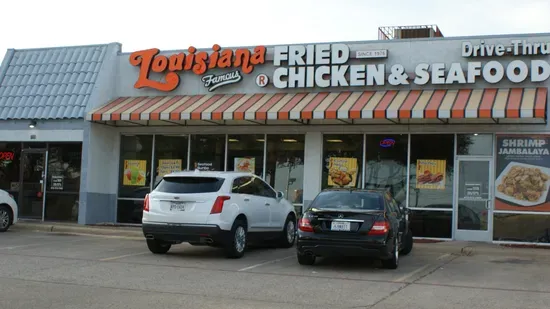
(280, 195)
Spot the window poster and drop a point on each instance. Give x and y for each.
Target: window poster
(134, 173)
(430, 174)
(168, 166)
(342, 172)
(246, 165)
(522, 172)
(204, 166)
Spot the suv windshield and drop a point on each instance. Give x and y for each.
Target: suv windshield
(349, 200)
(189, 184)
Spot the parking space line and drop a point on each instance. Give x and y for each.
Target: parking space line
(39, 244)
(123, 256)
(409, 275)
(266, 263)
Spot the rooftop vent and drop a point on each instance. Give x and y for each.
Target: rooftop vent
(409, 32)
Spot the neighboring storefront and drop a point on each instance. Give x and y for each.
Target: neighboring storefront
(455, 128)
(44, 94)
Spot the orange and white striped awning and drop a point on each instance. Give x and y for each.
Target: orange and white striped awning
(394, 105)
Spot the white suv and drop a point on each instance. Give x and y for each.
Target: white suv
(219, 209)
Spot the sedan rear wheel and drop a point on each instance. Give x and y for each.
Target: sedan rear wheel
(393, 262)
(306, 259)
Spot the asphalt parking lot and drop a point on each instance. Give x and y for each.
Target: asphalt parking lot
(46, 270)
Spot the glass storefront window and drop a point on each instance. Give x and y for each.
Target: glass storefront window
(342, 155)
(521, 228)
(285, 165)
(431, 223)
(63, 181)
(245, 153)
(208, 152)
(431, 171)
(474, 144)
(170, 155)
(386, 164)
(135, 165)
(10, 155)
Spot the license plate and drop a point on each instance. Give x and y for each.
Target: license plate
(177, 206)
(340, 226)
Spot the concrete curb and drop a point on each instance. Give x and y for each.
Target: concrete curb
(80, 229)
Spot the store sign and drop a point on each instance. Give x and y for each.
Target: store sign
(7, 155)
(523, 173)
(149, 61)
(387, 143)
(472, 191)
(326, 65)
(212, 81)
(56, 182)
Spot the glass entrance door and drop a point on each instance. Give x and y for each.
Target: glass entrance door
(473, 201)
(32, 182)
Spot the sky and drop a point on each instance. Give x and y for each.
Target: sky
(170, 25)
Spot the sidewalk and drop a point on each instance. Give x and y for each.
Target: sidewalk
(135, 232)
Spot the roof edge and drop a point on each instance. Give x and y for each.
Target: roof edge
(377, 41)
(61, 47)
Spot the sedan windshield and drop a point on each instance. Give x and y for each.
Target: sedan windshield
(349, 200)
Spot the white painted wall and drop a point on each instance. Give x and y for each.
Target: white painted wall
(103, 160)
(313, 158)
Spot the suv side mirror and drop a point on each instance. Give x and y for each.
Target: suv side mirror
(280, 195)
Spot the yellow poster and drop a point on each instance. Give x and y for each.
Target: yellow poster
(134, 173)
(342, 172)
(430, 174)
(168, 166)
(246, 165)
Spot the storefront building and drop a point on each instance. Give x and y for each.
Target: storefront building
(455, 128)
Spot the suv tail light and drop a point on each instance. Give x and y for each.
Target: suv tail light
(146, 203)
(380, 228)
(305, 225)
(218, 204)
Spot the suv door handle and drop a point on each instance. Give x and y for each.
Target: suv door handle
(267, 204)
(246, 199)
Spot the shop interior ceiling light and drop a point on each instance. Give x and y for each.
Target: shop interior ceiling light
(335, 141)
(32, 125)
(260, 140)
(289, 140)
(233, 140)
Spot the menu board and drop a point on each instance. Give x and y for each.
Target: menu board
(168, 166)
(522, 172)
(430, 174)
(342, 172)
(134, 173)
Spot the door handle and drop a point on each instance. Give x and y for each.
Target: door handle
(246, 199)
(267, 204)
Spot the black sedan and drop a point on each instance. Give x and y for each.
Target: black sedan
(354, 222)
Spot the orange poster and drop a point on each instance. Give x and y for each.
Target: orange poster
(430, 174)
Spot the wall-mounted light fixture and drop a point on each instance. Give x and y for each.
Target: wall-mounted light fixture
(32, 125)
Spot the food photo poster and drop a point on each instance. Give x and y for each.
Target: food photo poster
(342, 172)
(522, 172)
(430, 174)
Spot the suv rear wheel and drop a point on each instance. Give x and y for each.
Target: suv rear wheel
(236, 244)
(157, 246)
